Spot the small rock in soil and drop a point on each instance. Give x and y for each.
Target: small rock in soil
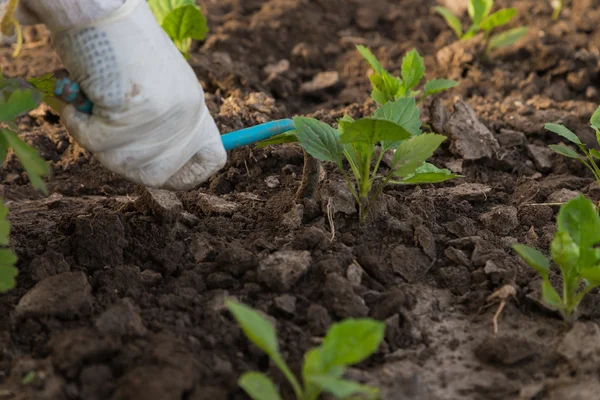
(318, 319)
(121, 319)
(49, 264)
(165, 205)
(99, 241)
(501, 220)
(210, 205)
(97, 382)
(462, 227)
(410, 263)
(339, 295)
(337, 192)
(392, 302)
(426, 240)
(580, 345)
(562, 196)
(272, 182)
(202, 250)
(234, 258)
(509, 138)
(286, 304)
(457, 278)
(150, 277)
(354, 274)
(458, 256)
(66, 295)
(281, 270)
(321, 82)
(506, 350)
(466, 191)
(470, 139)
(293, 218)
(542, 157)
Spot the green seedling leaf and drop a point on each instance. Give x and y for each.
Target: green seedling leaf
(185, 22)
(564, 151)
(595, 153)
(161, 8)
(451, 19)
(428, 173)
(256, 327)
(4, 225)
(35, 166)
(550, 296)
(534, 258)
(438, 85)
(385, 87)
(592, 275)
(413, 152)
(18, 102)
(403, 112)
(507, 38)
(372, 131)
(595, 121)
(8, 272)
(497, 19)
(371, 59)
(564, 132)
(287, 137)
(580, 220)
(44, 83)
(343, 389)
(258, 386)
(319, 140)
(351, 341)
(564, 250)
(479, 9)
(413, 69)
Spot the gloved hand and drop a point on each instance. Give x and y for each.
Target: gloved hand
(150, 123)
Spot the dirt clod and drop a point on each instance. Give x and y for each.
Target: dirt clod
(280, 271)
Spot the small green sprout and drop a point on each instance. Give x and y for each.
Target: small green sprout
(182, 20)
(483, 20)
(557, 6)
(389, 88)
(346, 343)
(395, 126)
(573, 249)
(589, 155)
(16, 98)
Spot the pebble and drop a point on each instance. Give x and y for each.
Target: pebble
(321, 82)
(281, 270)
(210, 204)
(164, 204)
(121, 319)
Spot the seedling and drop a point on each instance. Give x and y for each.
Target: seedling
(346, 343)
(589, 155)
(389, 88)
(395, 126)
(573, 249)
(483, 20)
(557, 6)
(182, 20)
(16, 98)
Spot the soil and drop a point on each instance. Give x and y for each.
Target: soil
(120, 292)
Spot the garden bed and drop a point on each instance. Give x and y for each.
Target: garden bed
(129, 285)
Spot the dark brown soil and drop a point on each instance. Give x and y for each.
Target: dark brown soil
(121, 296)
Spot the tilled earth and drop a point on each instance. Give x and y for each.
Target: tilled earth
(120, 292)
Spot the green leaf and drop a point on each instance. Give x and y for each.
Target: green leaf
(8, 272)
(564, 132)
(413, 152)
(4, 225)
(319, 140)
(534, 258)
(403, 112)
(258, 386)
(507, 38)
(595, 153)
(343, 389)
(497, 19)
(580, 220)
(386, 87)
(186, 22)
(428, 173)
(287, 137)
(372, 131)
(591, 274)
(565, 252)
(413, 69)
(451, 19)
(18, 102)
(161, 8)
(35, 166)
(595, 120)
(479, 9)
(351, 341)
(44, 83)
(314, 365)
(550, 296)
(438, 85)
(370, 57)
(257, 328)
(565, 151)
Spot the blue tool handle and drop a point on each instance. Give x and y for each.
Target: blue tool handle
(71, 93)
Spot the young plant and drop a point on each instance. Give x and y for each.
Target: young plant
(483, 20)
(16, 98)
(589, 155)
(573, 249)
(557, 6)
(182, 20)
(389, 88)
(395, 126)
(346, 343)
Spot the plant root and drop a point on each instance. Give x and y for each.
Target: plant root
(502, 294)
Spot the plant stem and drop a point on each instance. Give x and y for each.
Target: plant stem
(594, 166)
(557, 9)
(310, 178)
(290, 377)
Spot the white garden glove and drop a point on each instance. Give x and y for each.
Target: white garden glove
(150, 123)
